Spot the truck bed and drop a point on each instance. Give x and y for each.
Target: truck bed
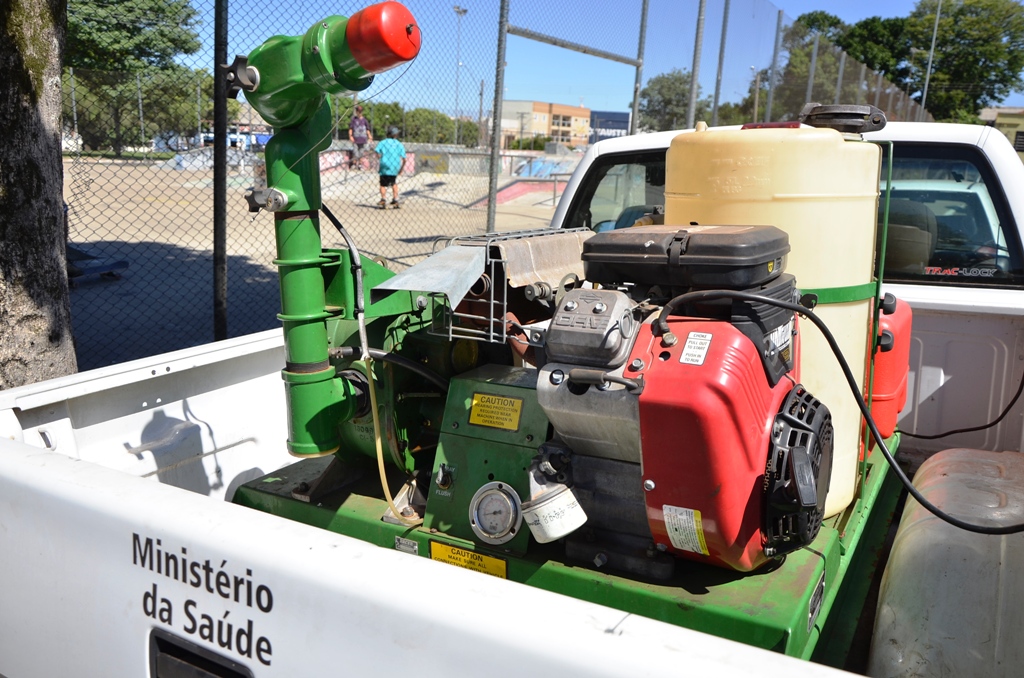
(120, 555)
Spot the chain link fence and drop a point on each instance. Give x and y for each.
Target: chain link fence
(139, 110)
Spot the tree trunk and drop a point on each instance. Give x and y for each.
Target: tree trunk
(35, 313)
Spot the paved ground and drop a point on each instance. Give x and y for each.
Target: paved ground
(160, 222)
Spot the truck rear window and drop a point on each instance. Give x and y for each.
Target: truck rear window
(949, 223)
(618, 190)
(948, 220)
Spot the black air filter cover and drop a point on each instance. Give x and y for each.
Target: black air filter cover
(695, 257)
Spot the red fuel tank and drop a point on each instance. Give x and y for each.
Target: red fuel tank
(706, 414)
(889, 389)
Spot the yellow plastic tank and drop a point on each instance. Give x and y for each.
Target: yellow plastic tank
(821, 187)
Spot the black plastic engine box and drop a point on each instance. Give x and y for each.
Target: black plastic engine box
(698, 257)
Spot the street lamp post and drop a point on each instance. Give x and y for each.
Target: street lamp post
(459, 13)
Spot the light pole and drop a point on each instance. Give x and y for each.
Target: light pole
(931, 54)
(757, 90)
(459, 13)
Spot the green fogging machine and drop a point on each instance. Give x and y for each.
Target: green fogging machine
(552, 406)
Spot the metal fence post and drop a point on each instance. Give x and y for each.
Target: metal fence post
(813, 67)
(220, 174)
(721, 61)
(839, 79)
(499, 86)
(142, 123)
(639, 68)
(698, 41)
(774, 69)
(74, 107)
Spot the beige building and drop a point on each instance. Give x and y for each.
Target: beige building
(1009, 121)
(569, 125)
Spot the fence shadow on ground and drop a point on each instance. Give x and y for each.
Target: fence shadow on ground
(163, 301)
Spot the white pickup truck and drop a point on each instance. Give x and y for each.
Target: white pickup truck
(120, 557)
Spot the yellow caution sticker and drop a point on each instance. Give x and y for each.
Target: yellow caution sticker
(470, 560)
(685, 529)
(495, 411)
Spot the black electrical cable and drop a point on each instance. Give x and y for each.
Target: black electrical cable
(1006, 411)
(395, 359)
(357, 264)
(376, 354)
(709, 295)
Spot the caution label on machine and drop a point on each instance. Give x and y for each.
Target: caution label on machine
(469, 560)
(684, 529)
(495, 411)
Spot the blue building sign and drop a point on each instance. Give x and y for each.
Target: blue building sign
(608, 124)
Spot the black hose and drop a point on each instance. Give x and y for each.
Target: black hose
(1006, 411)
(709, 295)
(357, 264)
(395, 359)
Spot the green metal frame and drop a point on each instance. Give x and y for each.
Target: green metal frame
(767, 609)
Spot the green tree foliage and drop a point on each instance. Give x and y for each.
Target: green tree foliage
(979, 54)
(425, 125)
(979, 51)
(663, 102)
(735, 114)
(882, 44)
(420, 125)
(114, 45)
(828, 26)
(383, 115)
(126, 35)
(106, 108)
(469, 134)
(536, 143)
(791, 81)
(170, 103)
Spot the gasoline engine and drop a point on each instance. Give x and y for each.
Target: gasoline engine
(727, 457)
(583, 412)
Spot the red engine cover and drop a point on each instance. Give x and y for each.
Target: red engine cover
(889, 390)
(706, 414)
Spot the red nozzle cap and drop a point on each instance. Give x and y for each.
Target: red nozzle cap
(383, 36)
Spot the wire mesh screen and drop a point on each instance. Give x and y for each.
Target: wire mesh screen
(138, 92)
(139, 116)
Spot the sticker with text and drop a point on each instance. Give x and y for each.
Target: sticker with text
(695, 350)
(684, 529)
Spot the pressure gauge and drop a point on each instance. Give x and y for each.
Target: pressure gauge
(495, 513)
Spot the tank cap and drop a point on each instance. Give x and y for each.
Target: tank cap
(852, 118)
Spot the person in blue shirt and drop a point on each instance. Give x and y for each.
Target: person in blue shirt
(392, 161)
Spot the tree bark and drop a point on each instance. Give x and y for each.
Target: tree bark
(35, 312)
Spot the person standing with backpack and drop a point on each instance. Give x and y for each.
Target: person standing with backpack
(392, 162)
(359, 133)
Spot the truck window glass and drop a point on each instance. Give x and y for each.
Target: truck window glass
(948, 220)
(618, 190)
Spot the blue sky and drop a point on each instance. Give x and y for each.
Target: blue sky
(538, 71)
(541, 72)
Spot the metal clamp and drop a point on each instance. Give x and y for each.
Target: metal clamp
(240, 76)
